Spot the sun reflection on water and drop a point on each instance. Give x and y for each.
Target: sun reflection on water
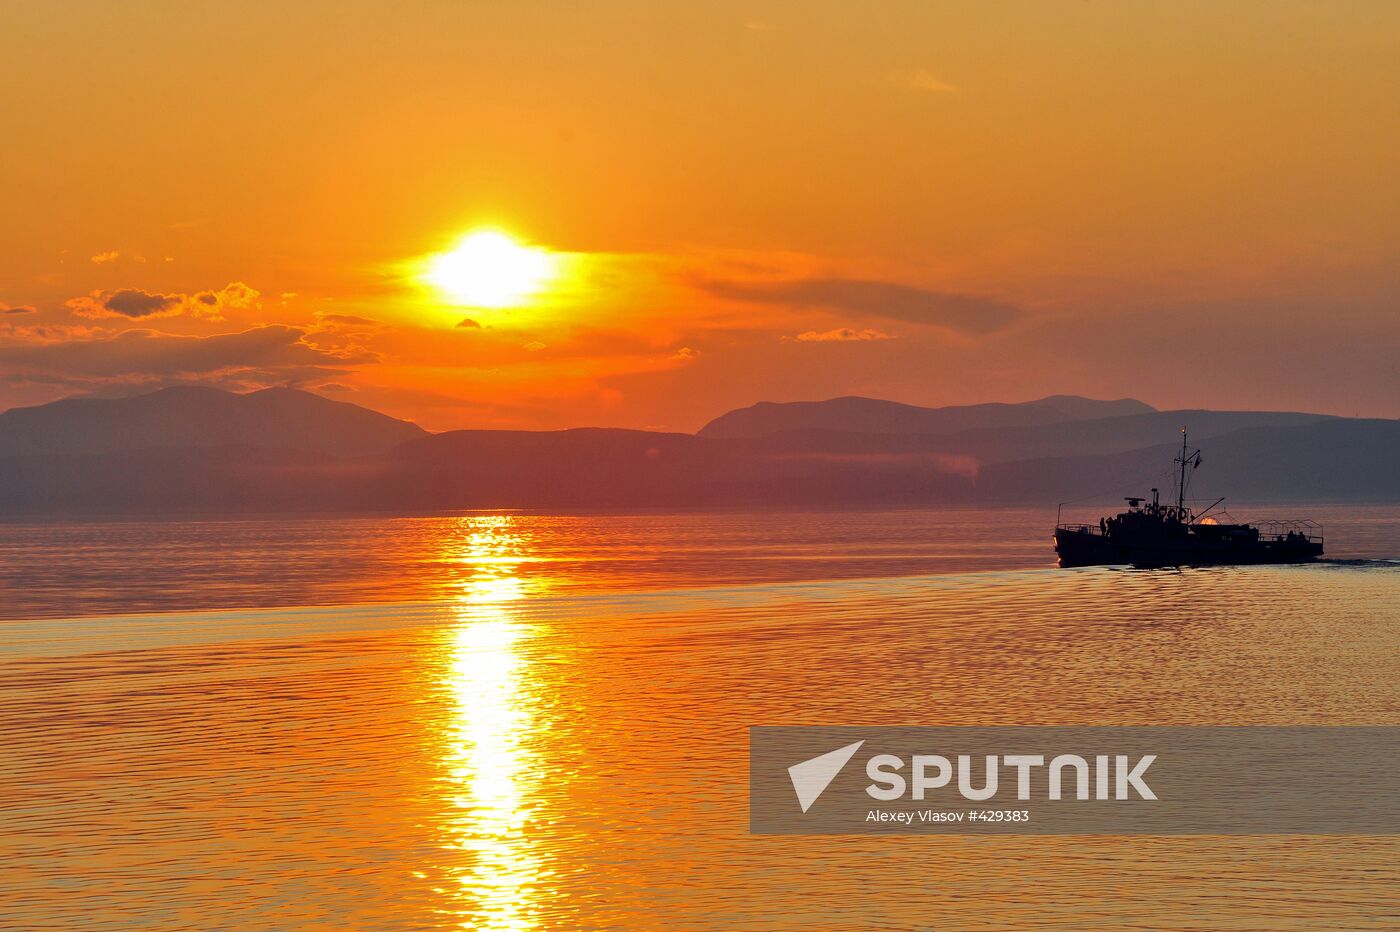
(488, 757)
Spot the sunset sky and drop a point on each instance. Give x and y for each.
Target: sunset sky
(938, 203)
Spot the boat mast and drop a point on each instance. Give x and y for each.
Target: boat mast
(1181, 484)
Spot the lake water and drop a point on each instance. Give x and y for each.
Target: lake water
(516, 721)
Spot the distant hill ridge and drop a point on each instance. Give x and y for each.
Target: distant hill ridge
(871, 415)
(195, 416)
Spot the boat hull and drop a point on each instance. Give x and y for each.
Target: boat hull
(1082, 547)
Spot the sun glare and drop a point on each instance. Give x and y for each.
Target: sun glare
(490, 269)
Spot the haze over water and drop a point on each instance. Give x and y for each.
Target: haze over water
(517, 721)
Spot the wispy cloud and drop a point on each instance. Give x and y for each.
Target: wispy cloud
(104, 258)
(887, 300)
(274, 353)
(347, 320)
(918, 79)
(842, 335)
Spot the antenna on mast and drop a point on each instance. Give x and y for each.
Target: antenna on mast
(1181, 486)
(1184, 460)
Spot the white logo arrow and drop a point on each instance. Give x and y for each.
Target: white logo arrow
(811, 777)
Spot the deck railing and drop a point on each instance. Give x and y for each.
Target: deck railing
(1280, 528)
(1274, 530)
(1089, 528)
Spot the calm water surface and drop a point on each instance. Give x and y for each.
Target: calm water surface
(539, 722)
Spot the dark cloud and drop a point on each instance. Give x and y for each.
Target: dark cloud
(887, 300)
(469, 323)
(133, 302)
(6, 309)
(275, 353)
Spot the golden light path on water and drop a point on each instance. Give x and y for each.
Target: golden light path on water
(487, 756)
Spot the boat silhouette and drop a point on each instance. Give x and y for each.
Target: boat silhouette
(1152, 534)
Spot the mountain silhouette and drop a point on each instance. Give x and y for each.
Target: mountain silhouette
(194, 416)
(1064, 438)
(871, 415)
(207, 451)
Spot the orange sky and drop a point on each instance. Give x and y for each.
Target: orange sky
(1193, 204)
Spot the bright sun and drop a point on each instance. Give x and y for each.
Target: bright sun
(489, 269)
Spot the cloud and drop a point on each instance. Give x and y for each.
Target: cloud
(468, 323)
(344, 333)
(917, 79)
(11, 333)
(887, 300)
(270, 355)
(235, 296)
(347, 320)
(136, 304)
(686, 353)
(125, 302)
(535, 346)
(103, 258)
(23, 309)
(842, 335)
